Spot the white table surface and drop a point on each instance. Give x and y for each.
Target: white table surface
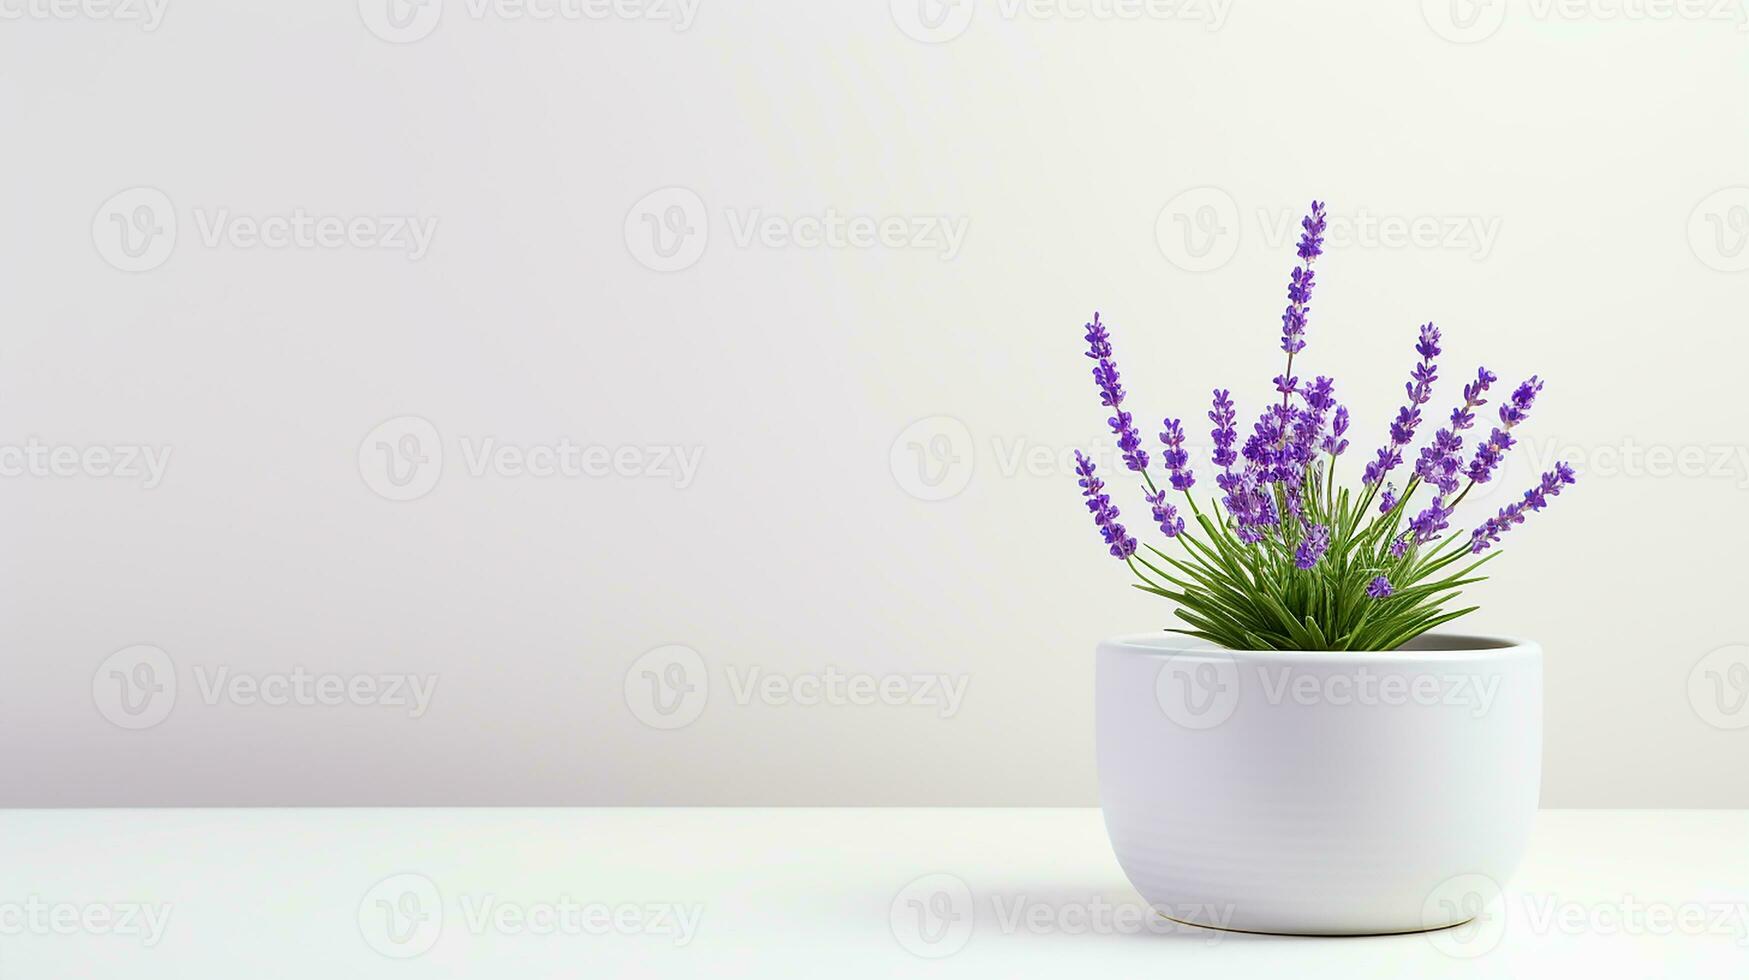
(785, 892)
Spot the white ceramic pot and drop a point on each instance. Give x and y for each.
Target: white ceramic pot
(1319, 793)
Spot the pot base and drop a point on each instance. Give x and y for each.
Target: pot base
(1314, 935)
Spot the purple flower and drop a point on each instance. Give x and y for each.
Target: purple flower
(1316, 542)
(1536, 498)
(1428, 344)
(1312, 233)
(1177, 461)
(1165, 514)
(1400, 546)
(1251, 506)
(1403, 428)
(1516, 409)
(1388, 458)
(1263, 449)
(1420, 389)
(1098, 340)
(1225, 432)
(1464, 416)
(1488, 455)
(1428, 524)
(1388, 499)
(1104, 513)
(1308, 427)
(1111, 394)
(1441, 460)
(1299, 289)
(1118, 540)
(1379, 588)
(1334, 444)
(1518, 406)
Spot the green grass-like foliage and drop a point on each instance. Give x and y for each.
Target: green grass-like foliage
(1252, 597)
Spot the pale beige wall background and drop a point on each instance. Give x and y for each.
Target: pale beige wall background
(429, 453)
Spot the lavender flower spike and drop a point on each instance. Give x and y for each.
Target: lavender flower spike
(1308, 427)
(1379, 588)
(1420, 389)
(1516, 409)
(1536, 498)
(1312, 548)
(1111, 393)
(1299, 290)
(1428, 524)
(1165, 514)
(1225, 431)
(1104, 513)
(1334, 444)
(1251, 506)
(1441, 462)
(1176, 459)
(1463, 418)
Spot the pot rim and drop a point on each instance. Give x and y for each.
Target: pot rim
(1428, 648)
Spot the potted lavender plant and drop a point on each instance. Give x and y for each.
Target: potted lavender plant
(1301, 754)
